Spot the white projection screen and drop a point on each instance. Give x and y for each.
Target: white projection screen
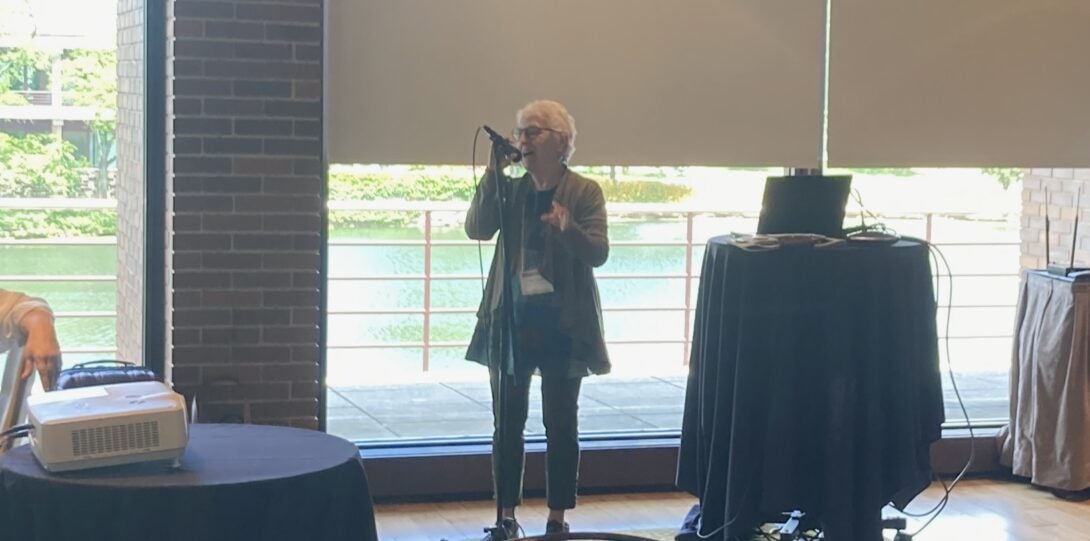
(1001, 83)
(649, 82)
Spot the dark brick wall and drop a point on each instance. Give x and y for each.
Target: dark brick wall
(247, 173)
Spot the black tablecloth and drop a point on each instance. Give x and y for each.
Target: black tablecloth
(235, 482)
(813, 384)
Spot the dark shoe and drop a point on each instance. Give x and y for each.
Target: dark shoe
(554, 526)
(507, 529)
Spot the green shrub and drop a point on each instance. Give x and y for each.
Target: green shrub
(892, 171)
(606, 172)
(361, 219)
(395, 183)
(37, 224)
(427, 183)
(644, 191)
(414, 186)
(345, 184)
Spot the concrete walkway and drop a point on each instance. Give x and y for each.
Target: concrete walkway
(607, 404)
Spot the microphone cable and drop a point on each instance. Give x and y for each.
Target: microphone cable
(477, 186)
(940, 506)
(478, 179)
(936, 256)
(864, 211)
(16, 432)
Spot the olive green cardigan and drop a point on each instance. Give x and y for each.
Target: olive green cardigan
(567, 262)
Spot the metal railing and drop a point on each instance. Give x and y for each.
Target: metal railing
(100, 205)
(690, 275)
(429, 277)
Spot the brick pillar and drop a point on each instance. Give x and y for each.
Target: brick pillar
(130, 180)
(1062, 186)
(247, 173)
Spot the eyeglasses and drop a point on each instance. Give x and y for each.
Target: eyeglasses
(531, 132)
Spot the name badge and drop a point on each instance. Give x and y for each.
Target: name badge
(533, 283)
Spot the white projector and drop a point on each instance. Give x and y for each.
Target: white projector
(107, 425)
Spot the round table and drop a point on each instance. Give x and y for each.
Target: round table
(814, 384)
(234, 482)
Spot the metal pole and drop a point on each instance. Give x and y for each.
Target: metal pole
(427, 289)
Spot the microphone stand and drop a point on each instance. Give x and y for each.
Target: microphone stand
(508, 352)
(509, 360)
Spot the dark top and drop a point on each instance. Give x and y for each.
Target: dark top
(538, 204)
(541, 344)
(813, 384)
(567, 262)
(235, 482)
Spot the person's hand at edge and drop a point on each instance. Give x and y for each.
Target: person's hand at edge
(504, 159)
(41, 351)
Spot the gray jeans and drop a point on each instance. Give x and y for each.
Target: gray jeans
(560, 413)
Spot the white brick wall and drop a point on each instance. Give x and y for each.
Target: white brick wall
(1062, 187)
(130, 180)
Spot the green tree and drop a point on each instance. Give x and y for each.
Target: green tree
(16, 66)
(1005, 175)
(39, 166)
(19, 58)
(90, 80)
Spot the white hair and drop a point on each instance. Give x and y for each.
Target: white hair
(555, 117)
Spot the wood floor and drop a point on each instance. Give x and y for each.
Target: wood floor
(978, 510)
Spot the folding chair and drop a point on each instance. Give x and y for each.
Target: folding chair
(13, 393)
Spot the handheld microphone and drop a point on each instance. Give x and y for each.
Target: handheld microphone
(505, 146)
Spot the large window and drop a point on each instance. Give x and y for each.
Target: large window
(405, 283)
(58, 206)
(789, 85)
